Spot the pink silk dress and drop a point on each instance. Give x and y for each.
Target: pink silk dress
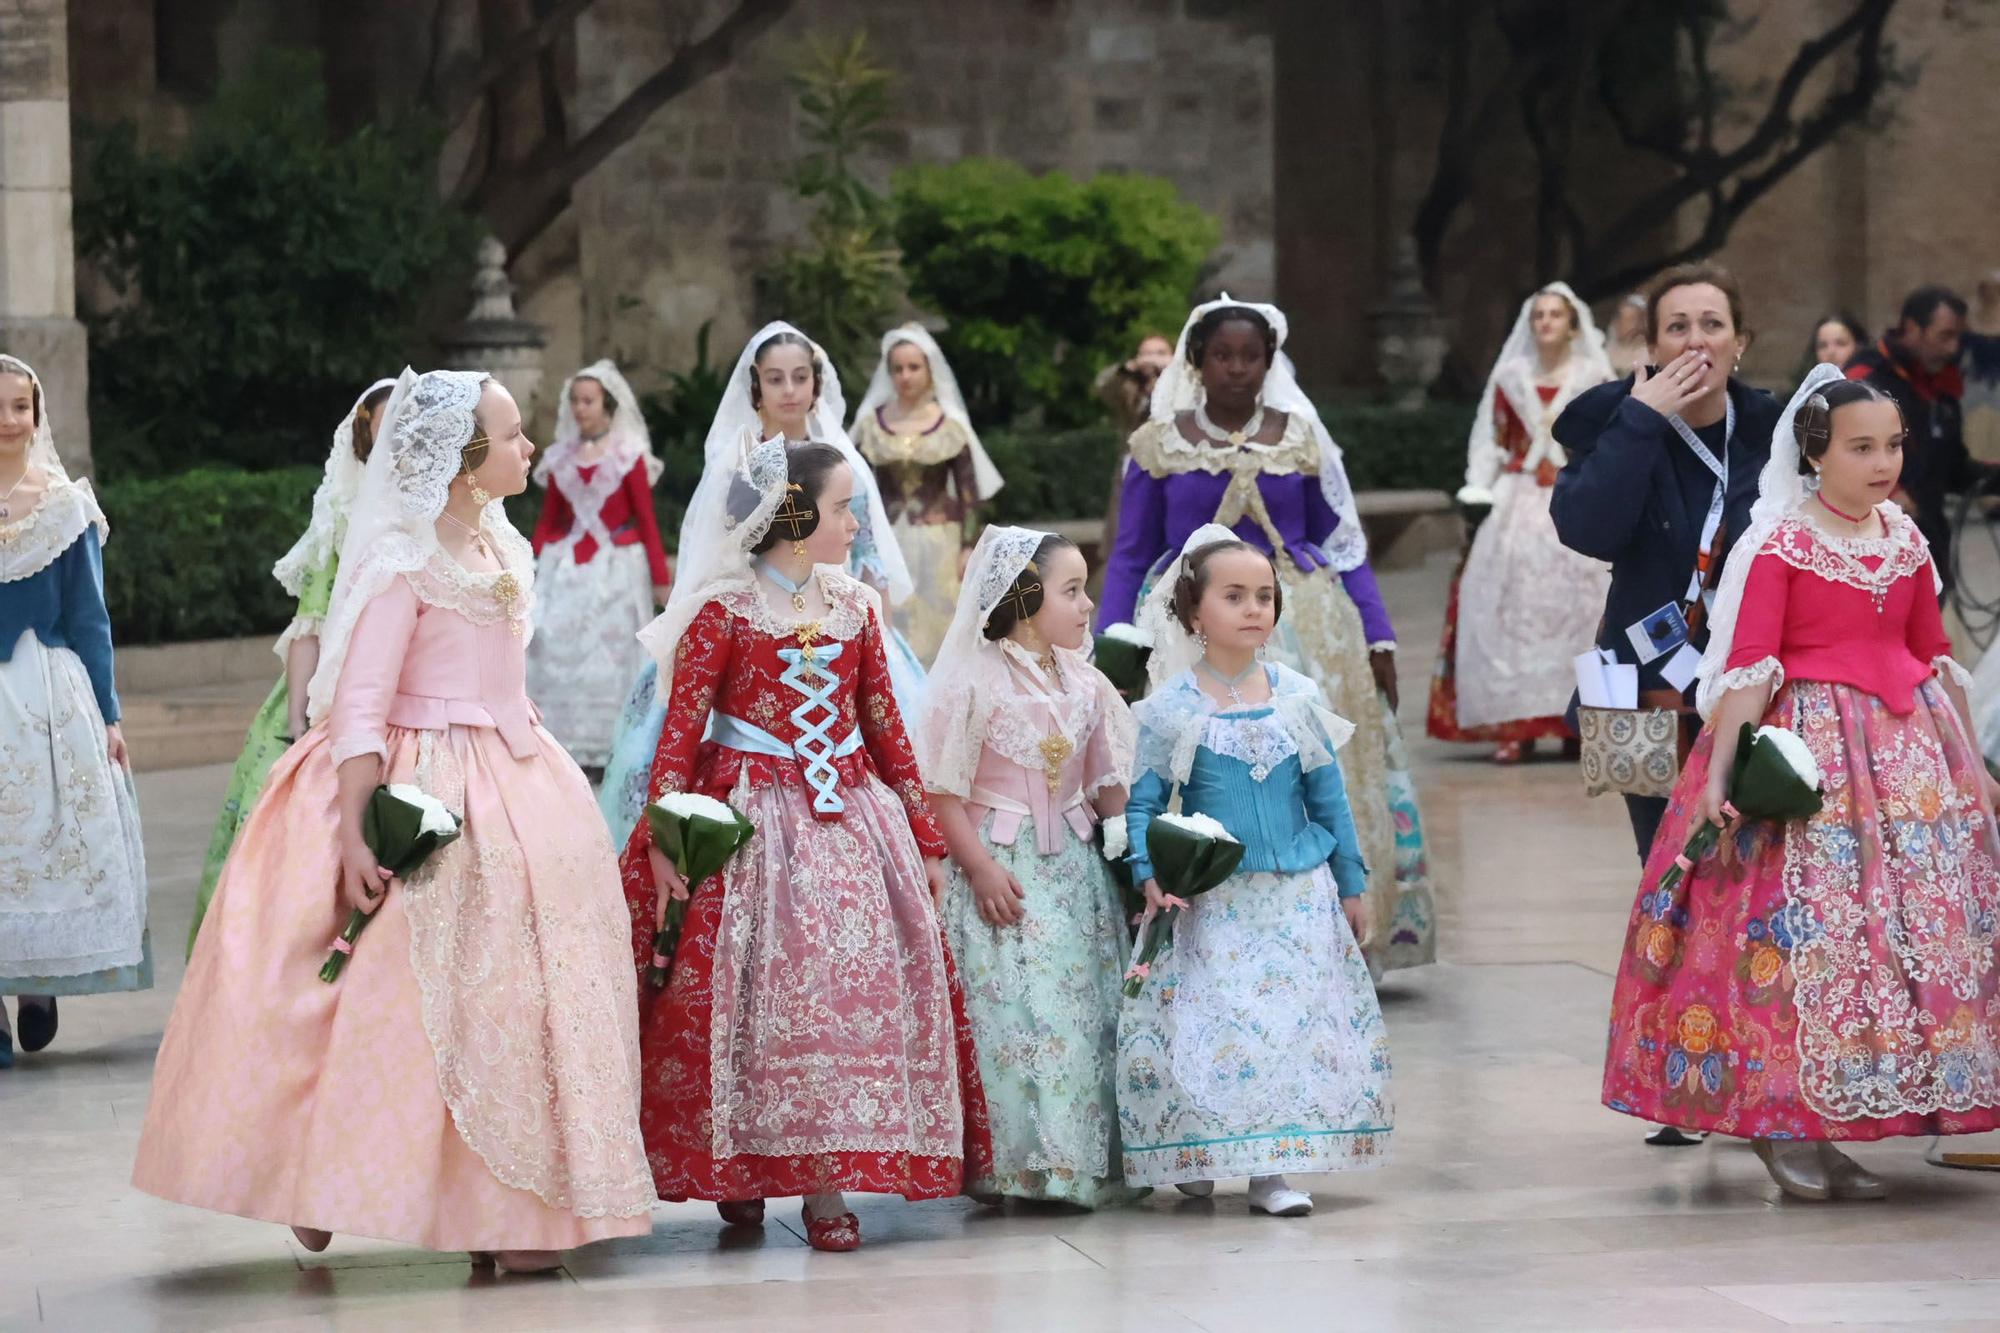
(471, 1080)
(1840, 979)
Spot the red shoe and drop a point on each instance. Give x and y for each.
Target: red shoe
(836, 1235)
(741, 1212)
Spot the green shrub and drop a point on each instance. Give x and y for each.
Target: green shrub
(267, 272)
(1387, 449)
(190, 556)
(1045, 279)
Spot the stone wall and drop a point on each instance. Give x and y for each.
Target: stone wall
(1880, 212)
(671, 229)
(38, 320)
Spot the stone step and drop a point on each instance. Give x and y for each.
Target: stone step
(197, 725)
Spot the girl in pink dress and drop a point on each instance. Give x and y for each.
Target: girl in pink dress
(471, 1080)
(1838, 977)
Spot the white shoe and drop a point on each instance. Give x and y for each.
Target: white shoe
(1196, 1189)
(1270, 1194)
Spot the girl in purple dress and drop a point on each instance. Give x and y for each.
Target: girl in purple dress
(1233, 440)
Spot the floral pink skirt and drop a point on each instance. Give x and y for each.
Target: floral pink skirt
(1841, 980)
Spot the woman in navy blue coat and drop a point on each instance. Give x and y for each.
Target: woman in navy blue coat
(1661, 475)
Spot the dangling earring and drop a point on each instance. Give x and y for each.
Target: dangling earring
(1812, 481)
(1201, 641)
(799, 549)
(479, 495)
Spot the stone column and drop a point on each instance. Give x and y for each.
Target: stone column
(37, 256)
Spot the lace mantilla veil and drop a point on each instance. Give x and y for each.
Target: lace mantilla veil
(1513, 377)
(996, 562)
(736, 421)
(320, 542)
(392, 529)
(1179, 390)
(1174, 649)
(733, 503)
(30, 557)
(944, 384)
(627, 439)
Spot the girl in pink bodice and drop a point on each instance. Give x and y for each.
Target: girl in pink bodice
(1838, 977)
(1025, 746)
(471, 1080)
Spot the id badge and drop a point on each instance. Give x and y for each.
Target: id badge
(1657, 633)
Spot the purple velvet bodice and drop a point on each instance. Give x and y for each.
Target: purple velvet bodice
(1156, 515)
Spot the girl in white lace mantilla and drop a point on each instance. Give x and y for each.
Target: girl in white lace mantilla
(599, 565)
(1523, 605)
(471, 1082)
(913, 429)
(72, 870)
(307, 572)
(1255, 1046)
(1836, 977)
(1235, 441)
(1025, 746)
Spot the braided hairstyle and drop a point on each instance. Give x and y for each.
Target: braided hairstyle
(785, 338)
(1813, 426)
(1193, 581)
(807, 467)
(1023, 601)
(366, 414)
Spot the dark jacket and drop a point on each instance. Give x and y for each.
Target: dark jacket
(1618, 499)
(1935, 461)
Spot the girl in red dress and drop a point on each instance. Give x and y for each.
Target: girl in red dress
(1838, 977)
(812, 1038)
(1522, 604)
(599, 565)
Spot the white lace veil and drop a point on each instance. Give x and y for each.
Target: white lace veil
(944, 386)
(1174, 649)
(739, 491)
(420, 442)
(1781, 489)
(627, 439)
(1513, 377)
(42, 447)
(1179, 390)
(998, 559)
(736, 421)
(320, 542)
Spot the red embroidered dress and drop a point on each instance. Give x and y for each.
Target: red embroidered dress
(813, 1036)
(1561, 568)
(597, 560)
(1842, 979)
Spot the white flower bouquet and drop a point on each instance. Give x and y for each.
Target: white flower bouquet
(403, 826)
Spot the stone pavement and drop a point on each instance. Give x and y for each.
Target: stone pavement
(1512, 1201)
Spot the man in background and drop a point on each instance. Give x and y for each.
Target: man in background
(1916, 363)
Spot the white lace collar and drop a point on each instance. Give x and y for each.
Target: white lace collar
(1179, 719)
(32, 543)
(848, 601)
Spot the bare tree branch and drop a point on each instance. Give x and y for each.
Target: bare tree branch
(458, 89)
(1780, 142)
(522, 199)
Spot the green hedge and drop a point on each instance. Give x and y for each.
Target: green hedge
(190, 555)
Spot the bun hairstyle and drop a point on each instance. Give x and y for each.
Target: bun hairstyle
(1023, 601)
(1205, 327)
(1813, 426)
(1193, 582)
(785, 338)
(366, 414)
(806, 469)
